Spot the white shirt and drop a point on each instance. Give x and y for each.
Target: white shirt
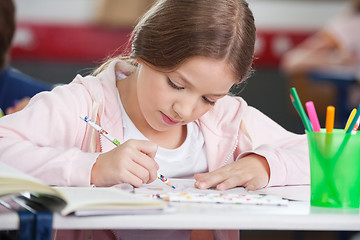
(184, 161)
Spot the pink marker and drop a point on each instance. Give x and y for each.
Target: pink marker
(356, 126)
(313, 116)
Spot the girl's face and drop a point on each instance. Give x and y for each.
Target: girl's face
(169, 99)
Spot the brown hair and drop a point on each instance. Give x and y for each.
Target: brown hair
(355, 5)
(7, 29)
(174, 30)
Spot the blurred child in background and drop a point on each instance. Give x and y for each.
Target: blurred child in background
(16, 88)
(335, 48)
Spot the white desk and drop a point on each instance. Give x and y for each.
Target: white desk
(298, 215)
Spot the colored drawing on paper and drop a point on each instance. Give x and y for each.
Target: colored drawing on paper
(186, 192)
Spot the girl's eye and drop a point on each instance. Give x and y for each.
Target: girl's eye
(173, 85)
(212, 103)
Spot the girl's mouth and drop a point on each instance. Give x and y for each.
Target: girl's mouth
(168, 120)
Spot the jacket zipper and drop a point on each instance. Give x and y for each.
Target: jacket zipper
(232, 152)
(101, 143)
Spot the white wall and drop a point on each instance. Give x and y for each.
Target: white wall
(280, 14)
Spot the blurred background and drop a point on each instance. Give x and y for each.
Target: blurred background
(57, 39)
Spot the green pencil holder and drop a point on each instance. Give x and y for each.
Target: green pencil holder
(334, 168)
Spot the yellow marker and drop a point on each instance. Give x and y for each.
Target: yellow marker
(330, 116)
(1, 113)
(351, 117)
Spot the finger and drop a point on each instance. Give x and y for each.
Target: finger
(245, 180)
(255, 184)
(22, 103)
(223, 178)
(147, 147)
(141, 152)
(211, 179)
(148, 164)
(136, 170)
(9, 110)
(18, 106)
(231, 182)
(251, 187)
(198, 176)
(132, 179)
(139, 166)
(152, 176)
(201, 180)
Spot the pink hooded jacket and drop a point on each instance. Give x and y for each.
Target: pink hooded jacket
(48, 140)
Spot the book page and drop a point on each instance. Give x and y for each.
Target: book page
(13, 181)
(107, 200)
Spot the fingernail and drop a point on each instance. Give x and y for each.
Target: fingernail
(250, 188)
(201, 185)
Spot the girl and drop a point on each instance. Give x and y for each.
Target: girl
(167, 103)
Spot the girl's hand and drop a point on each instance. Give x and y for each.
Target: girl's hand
(252, 172)
(132, 162)
(18, 106)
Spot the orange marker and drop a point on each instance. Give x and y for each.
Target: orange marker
(330, 116)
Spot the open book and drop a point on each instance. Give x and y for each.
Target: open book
(16, 185)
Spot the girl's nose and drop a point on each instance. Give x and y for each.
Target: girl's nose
(185, 107)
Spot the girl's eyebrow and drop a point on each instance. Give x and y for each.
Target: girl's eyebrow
(218, 95)
(183, 78)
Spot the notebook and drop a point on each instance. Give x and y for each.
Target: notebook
(19, 187)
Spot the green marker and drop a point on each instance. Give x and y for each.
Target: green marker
(300, 109)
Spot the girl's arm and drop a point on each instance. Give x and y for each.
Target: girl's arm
(45, 138)
(318, 51)
(275, 157)
(50, 141)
